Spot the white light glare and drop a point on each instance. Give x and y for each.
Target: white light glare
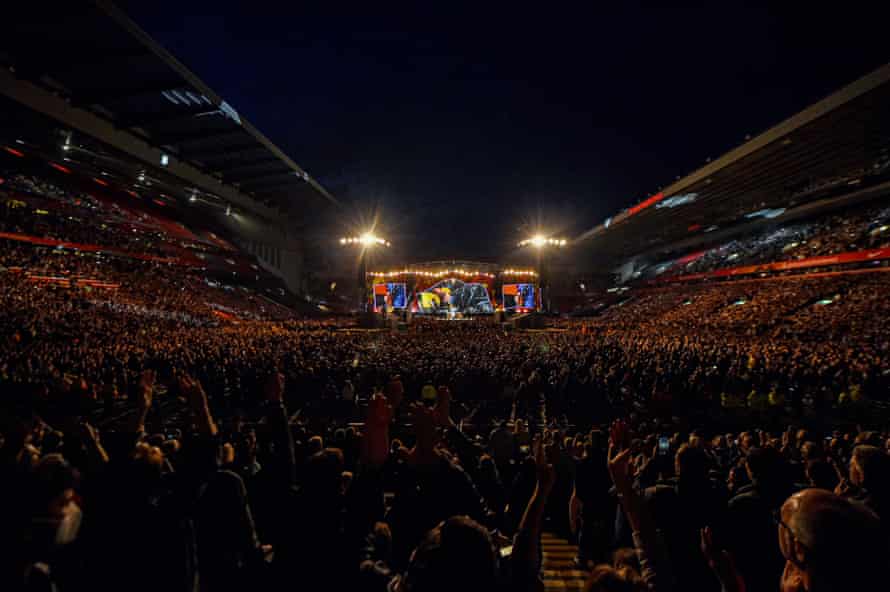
(367, 240)
(540, 242)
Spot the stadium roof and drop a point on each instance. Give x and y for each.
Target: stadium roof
(838, 145)
(89, 66)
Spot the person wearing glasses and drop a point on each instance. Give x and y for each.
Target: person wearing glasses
(830, 543)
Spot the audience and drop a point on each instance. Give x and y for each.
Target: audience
(165, 432)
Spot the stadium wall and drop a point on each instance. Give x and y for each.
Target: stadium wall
(278, 251)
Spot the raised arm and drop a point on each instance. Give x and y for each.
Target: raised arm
(650, 552)
(200, 408)
(144, 397)
(375, 440)
(284, 458)
(527, 542)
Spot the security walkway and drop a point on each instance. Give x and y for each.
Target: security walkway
(560, 571)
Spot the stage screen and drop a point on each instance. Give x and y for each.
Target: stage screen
(519, 297)
(394, 296)
(454, 296)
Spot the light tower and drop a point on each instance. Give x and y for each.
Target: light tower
(543, 245)
(365, 242)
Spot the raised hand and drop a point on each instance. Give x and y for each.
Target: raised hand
(197, 400)
(619, 434)
(844, 488)
(375, 441)
(193, 391)
(721, 563)
(90, 434)
(90, 437)
(788, 438)
(146, 388)
(546, 474)
(620, 468)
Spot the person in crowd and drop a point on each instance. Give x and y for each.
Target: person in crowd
(870, 478)
(829, 543)
(749, 518)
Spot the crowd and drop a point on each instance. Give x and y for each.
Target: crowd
(126, 439)
(174, 433)
(408, 499)
(33, 206)
(36, 207)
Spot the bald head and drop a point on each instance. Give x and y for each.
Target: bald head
(833, 543)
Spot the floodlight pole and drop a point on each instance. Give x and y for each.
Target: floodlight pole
(363, 281)
(542, 280)
(540, 244)
(365, 242)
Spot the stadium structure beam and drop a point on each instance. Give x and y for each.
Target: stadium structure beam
(56, 60)
(90, 96)
(141, 120)
(47, 103)
(258, 176)
(106, 57)
(175, 139)
(281, 180)
(200, 153)
(247, 166)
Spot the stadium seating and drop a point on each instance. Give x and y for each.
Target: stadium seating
(830, 235)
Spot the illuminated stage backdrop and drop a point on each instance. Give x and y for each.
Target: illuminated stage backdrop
(452, 288)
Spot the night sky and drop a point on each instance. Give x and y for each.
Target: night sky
(460, 124)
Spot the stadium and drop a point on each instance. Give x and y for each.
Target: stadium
(209, 381)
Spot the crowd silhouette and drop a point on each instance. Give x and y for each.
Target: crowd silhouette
(175, 433)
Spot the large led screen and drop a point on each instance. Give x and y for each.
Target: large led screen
(519, 297)
(393, 296)
(454, 296)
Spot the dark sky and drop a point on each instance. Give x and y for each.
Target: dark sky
(461, 123)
